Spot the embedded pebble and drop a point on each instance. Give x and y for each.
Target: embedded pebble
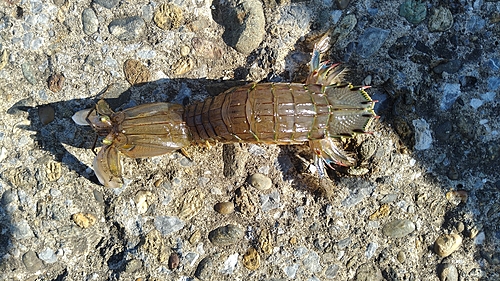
(244, 33)
(265, 241)
(167, 225)
(185, 50)
(32, 262)
(370, 250)
(46, 114)
(452, 66)
(383, 211)
(260, 181)
(251, 259)
(440, 20)
(27, 70)
(107, 3)
(245, 201)
(56, 82)
(448, 272)
(195, 237)
(127, 29)
(206, 49)
(168, 16)
(368, 271)
(191, 258)
(4, 59)
(343, 29)
(203, 270)
(371, 40)
(225, 235)
(398, 228)
(183, 66)
(192, 202)
(142, 200)
(401, 256)
(443, 131)
(291, 270)
(53, 170)
(22, 230)
(331, 271)
(447, 244)
(136, 72)
(457, 196)
(173, 261)
(311, 262)
(133, 265)
(90, 22)
(413, 11)
(224, 207)
(84, 220)
(230, 264)
(423, 137)
(155, 245)
(48, 255)
(451, 92)
(270, 201)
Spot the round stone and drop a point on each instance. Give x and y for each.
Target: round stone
(90, 21)
(260, 181)
(447, 244)
(224, 207)
(226, 235)
(398, 228)
(173, 261)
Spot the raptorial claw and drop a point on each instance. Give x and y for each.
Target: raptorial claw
(107, 167)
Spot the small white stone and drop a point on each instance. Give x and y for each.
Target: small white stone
(423, 137)
(476, 103)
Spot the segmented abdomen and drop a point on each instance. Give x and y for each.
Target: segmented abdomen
(279, 113)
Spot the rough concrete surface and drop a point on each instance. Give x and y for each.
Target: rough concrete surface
(422, 203)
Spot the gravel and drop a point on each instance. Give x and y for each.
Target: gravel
(433, 69)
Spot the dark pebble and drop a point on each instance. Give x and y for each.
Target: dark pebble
(420, 46)
(400, 48)
(56, 82)
(443, 131)
(107, 3)
(203, 271)
(452, 173)
(225, 235)
(452, 66)
(46, 114)
(32, 262)
(173, 261)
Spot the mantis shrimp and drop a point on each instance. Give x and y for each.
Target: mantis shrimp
(315, 112)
